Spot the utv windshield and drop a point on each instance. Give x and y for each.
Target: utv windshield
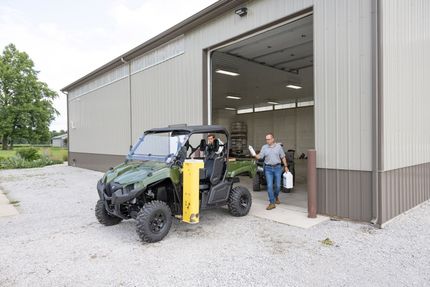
(160, 147)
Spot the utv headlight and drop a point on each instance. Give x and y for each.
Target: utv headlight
(115, 186)
(129, 187)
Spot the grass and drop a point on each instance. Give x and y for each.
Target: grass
(9, 159)
(55, 153)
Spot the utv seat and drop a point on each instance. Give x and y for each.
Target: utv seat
(216, 176)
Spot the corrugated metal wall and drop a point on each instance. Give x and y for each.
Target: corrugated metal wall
(405, 180)
(99, 121)
(406, 82)
(162, 95)
(343, 84)
(343, 107)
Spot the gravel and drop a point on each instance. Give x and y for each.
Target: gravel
(56, 241)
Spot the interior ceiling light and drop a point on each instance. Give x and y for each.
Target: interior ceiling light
(230, 109)
(273, 103)
(233, 97)
(295, 87)
(225, 72)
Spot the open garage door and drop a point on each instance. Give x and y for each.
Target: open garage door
(264, 84)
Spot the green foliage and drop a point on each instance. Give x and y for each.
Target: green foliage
(10, 159)
(19, 162)
(28, 154)
(26, 104)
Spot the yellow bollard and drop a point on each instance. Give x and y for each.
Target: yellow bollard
(190, 206)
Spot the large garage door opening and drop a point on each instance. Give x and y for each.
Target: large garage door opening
(265, 84)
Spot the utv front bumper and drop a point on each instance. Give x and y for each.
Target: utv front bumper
(118, 195)
(113, 195)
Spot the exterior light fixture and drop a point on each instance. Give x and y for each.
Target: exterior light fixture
(233, 97)
(273, 103)
(230, 109)
(225, 72)
(295, 87)
(241, 11)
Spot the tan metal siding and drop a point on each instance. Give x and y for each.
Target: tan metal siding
(345, 193)
(406, 84)
(405, 180)
(163, 95)
(95, 161)
(343, 84)
(100, 121)
(403, 189)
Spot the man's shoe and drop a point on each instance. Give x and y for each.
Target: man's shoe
(277, 201)
(270, 206)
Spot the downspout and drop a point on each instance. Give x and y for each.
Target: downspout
(68, 127)
(377, 105)
(129, 99)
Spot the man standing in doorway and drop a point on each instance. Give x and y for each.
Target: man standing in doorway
(273, 154)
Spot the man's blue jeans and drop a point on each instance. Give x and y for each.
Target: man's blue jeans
(273, 172)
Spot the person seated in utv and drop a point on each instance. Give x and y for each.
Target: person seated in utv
(213, 149)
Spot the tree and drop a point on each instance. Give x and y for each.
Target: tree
(26, 104)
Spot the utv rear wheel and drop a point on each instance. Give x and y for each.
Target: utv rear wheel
(240, 201)
(256, 183)
(103, 216)
(154, 221)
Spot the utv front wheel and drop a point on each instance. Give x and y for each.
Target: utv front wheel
(103, 216)
(154, 221)
(240, 201)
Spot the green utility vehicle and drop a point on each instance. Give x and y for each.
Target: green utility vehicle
(148, 185)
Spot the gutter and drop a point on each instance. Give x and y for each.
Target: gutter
(130, 113)
(68, 127)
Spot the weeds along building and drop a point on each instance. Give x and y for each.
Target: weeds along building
(348, 78)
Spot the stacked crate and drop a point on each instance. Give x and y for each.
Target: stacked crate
(239, 136)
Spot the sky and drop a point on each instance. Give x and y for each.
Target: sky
(68, 39)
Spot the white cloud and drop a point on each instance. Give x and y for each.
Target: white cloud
(65, 45)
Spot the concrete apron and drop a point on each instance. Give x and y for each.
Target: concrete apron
(292, 210)
(6, 209)
(285, 213)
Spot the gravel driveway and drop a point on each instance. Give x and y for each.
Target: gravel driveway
(56, 241)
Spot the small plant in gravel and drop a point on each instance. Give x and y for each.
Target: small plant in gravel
(327, 242)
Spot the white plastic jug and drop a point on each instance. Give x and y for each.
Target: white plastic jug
(288, 180)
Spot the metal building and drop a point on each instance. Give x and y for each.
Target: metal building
(348, 78)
